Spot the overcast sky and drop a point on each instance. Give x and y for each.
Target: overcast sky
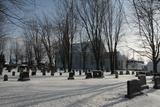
(48, 7)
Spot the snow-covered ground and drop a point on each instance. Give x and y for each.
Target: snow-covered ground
(57, 91)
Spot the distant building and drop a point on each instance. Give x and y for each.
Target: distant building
(90, 63)
(135, 65)
(150, 67)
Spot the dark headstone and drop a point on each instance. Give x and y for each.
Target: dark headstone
(24, 76)
(1, 71)
(121, 73)
(133, 88)
(116, 74)
(127, 72)
(44, 73)
(9, 69)
(88, 75)
(132, 72)
(80, 73)
(52, 73)
(156, 82)
(142, 79)
(98, 74)
(71, 76)
(13, 73)
(5, 78)
(60, 73)
(33, 73)
(137, 74)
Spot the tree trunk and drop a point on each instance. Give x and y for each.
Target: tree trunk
(112, 62)
(97, 65)
(155, 67)
(84, 62)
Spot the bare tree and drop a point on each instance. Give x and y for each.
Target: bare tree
(8, 10)
(49, 41)
(84, 45)
(91, 14)
(29, 57)
(113, 29)
(16, 51)
(67, 27)
(61, 51)
(147, 13)
(33, 31)
(9, 14)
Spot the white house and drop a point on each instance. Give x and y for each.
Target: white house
(150, 67)
(135, 65)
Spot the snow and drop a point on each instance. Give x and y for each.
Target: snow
(57, 91)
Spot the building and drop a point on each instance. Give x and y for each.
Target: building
(79, 61)
(150, 67)
(135, 65)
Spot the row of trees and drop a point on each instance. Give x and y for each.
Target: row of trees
(147, 20)
(8, 15)
(98, 21)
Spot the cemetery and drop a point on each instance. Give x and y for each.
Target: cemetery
(72, 87)
(79, 53)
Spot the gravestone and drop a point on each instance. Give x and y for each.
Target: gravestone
(34, 70)
(24, 76)
(97, 74)
(71, 76)
(52, 73)
(127, 72)
(60, 73)
(142, 79)
(132, 72)
(1, 71)
(88, 75)
(116, 74)
(13, 73)
(80, 73)
(43, 71)
(5, 78)
(19, 69)
(137, 74)
(9, 68)
(156, 82)
(121, 73)
(33, 73)
(133, 88)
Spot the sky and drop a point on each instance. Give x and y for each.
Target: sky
(48, 7)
